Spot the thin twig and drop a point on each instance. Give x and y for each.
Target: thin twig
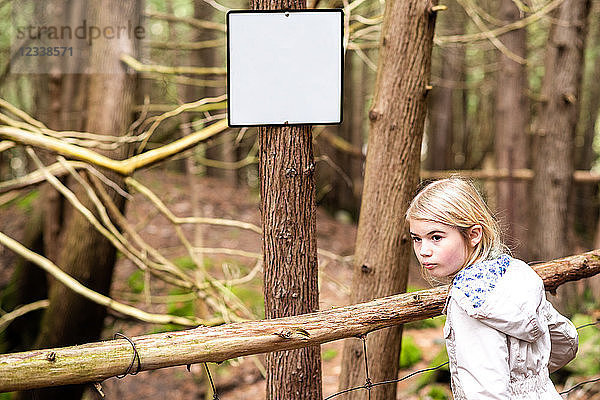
(7, 318)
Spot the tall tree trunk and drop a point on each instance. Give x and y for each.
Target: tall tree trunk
(586, 207)
(288, 214)
(511, 143)
(345, 193)
(554, 133)
(392, 173)
(84, 253)
(447, 95)
(55, 105)
(587, 195)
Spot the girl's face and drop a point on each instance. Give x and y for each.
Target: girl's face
(440, 248)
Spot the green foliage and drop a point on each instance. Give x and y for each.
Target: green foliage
(436, 392)
(252, 297)
(434, 322)
(180, 308)
(329, 354)
(6, 396)
(410, 354)
(588, 303)
(586, 363)
(427, 377)
(136, 281)
(187, 263)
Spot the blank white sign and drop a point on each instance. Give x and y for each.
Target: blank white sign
(284, 67)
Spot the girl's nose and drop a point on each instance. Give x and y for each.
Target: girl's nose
(425, 250)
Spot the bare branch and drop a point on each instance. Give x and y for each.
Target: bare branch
(94, 362)
(441, 40)
(7, 318)
(164, 69)
(123, 167)
(196, 23)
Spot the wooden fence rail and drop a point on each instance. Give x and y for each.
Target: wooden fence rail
(95, 362)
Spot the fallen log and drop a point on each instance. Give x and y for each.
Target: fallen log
(95, 362)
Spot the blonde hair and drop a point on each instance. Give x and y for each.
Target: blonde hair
(457, 203)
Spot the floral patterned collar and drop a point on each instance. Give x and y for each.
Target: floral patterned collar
(478, 279)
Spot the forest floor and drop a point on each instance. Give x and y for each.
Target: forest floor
(241, 378)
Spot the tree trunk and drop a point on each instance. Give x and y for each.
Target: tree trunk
(586, 207)
(84, 253)
(391, 176)
(288, 214)
(347, 176)
(554, 134)
(447, 95)
(511, 143)
(27, 284)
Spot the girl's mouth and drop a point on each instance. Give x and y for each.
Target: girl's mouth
(428, 265)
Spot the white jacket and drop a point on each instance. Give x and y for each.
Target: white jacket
(503, 337)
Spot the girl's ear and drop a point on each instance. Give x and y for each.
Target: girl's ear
(475, 234)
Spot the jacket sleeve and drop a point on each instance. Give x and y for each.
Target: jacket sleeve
(563, 337)
(481, 354)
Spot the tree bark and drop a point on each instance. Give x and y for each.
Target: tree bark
(288, 214)
(94, 362)
(586, 207)
(391, 176)
(511, 144)
(84, 253)
(555, 131)
(447, 95)
(346, 177)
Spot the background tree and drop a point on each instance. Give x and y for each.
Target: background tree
(383, 248)
(83, 252)
(554, 133)
(446, 103)
(511, 131)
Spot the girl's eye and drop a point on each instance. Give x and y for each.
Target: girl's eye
(436, 238)
(416, 239)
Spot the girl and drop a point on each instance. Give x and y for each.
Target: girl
(503, 337)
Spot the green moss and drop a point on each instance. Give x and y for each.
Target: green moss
(24, 202)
